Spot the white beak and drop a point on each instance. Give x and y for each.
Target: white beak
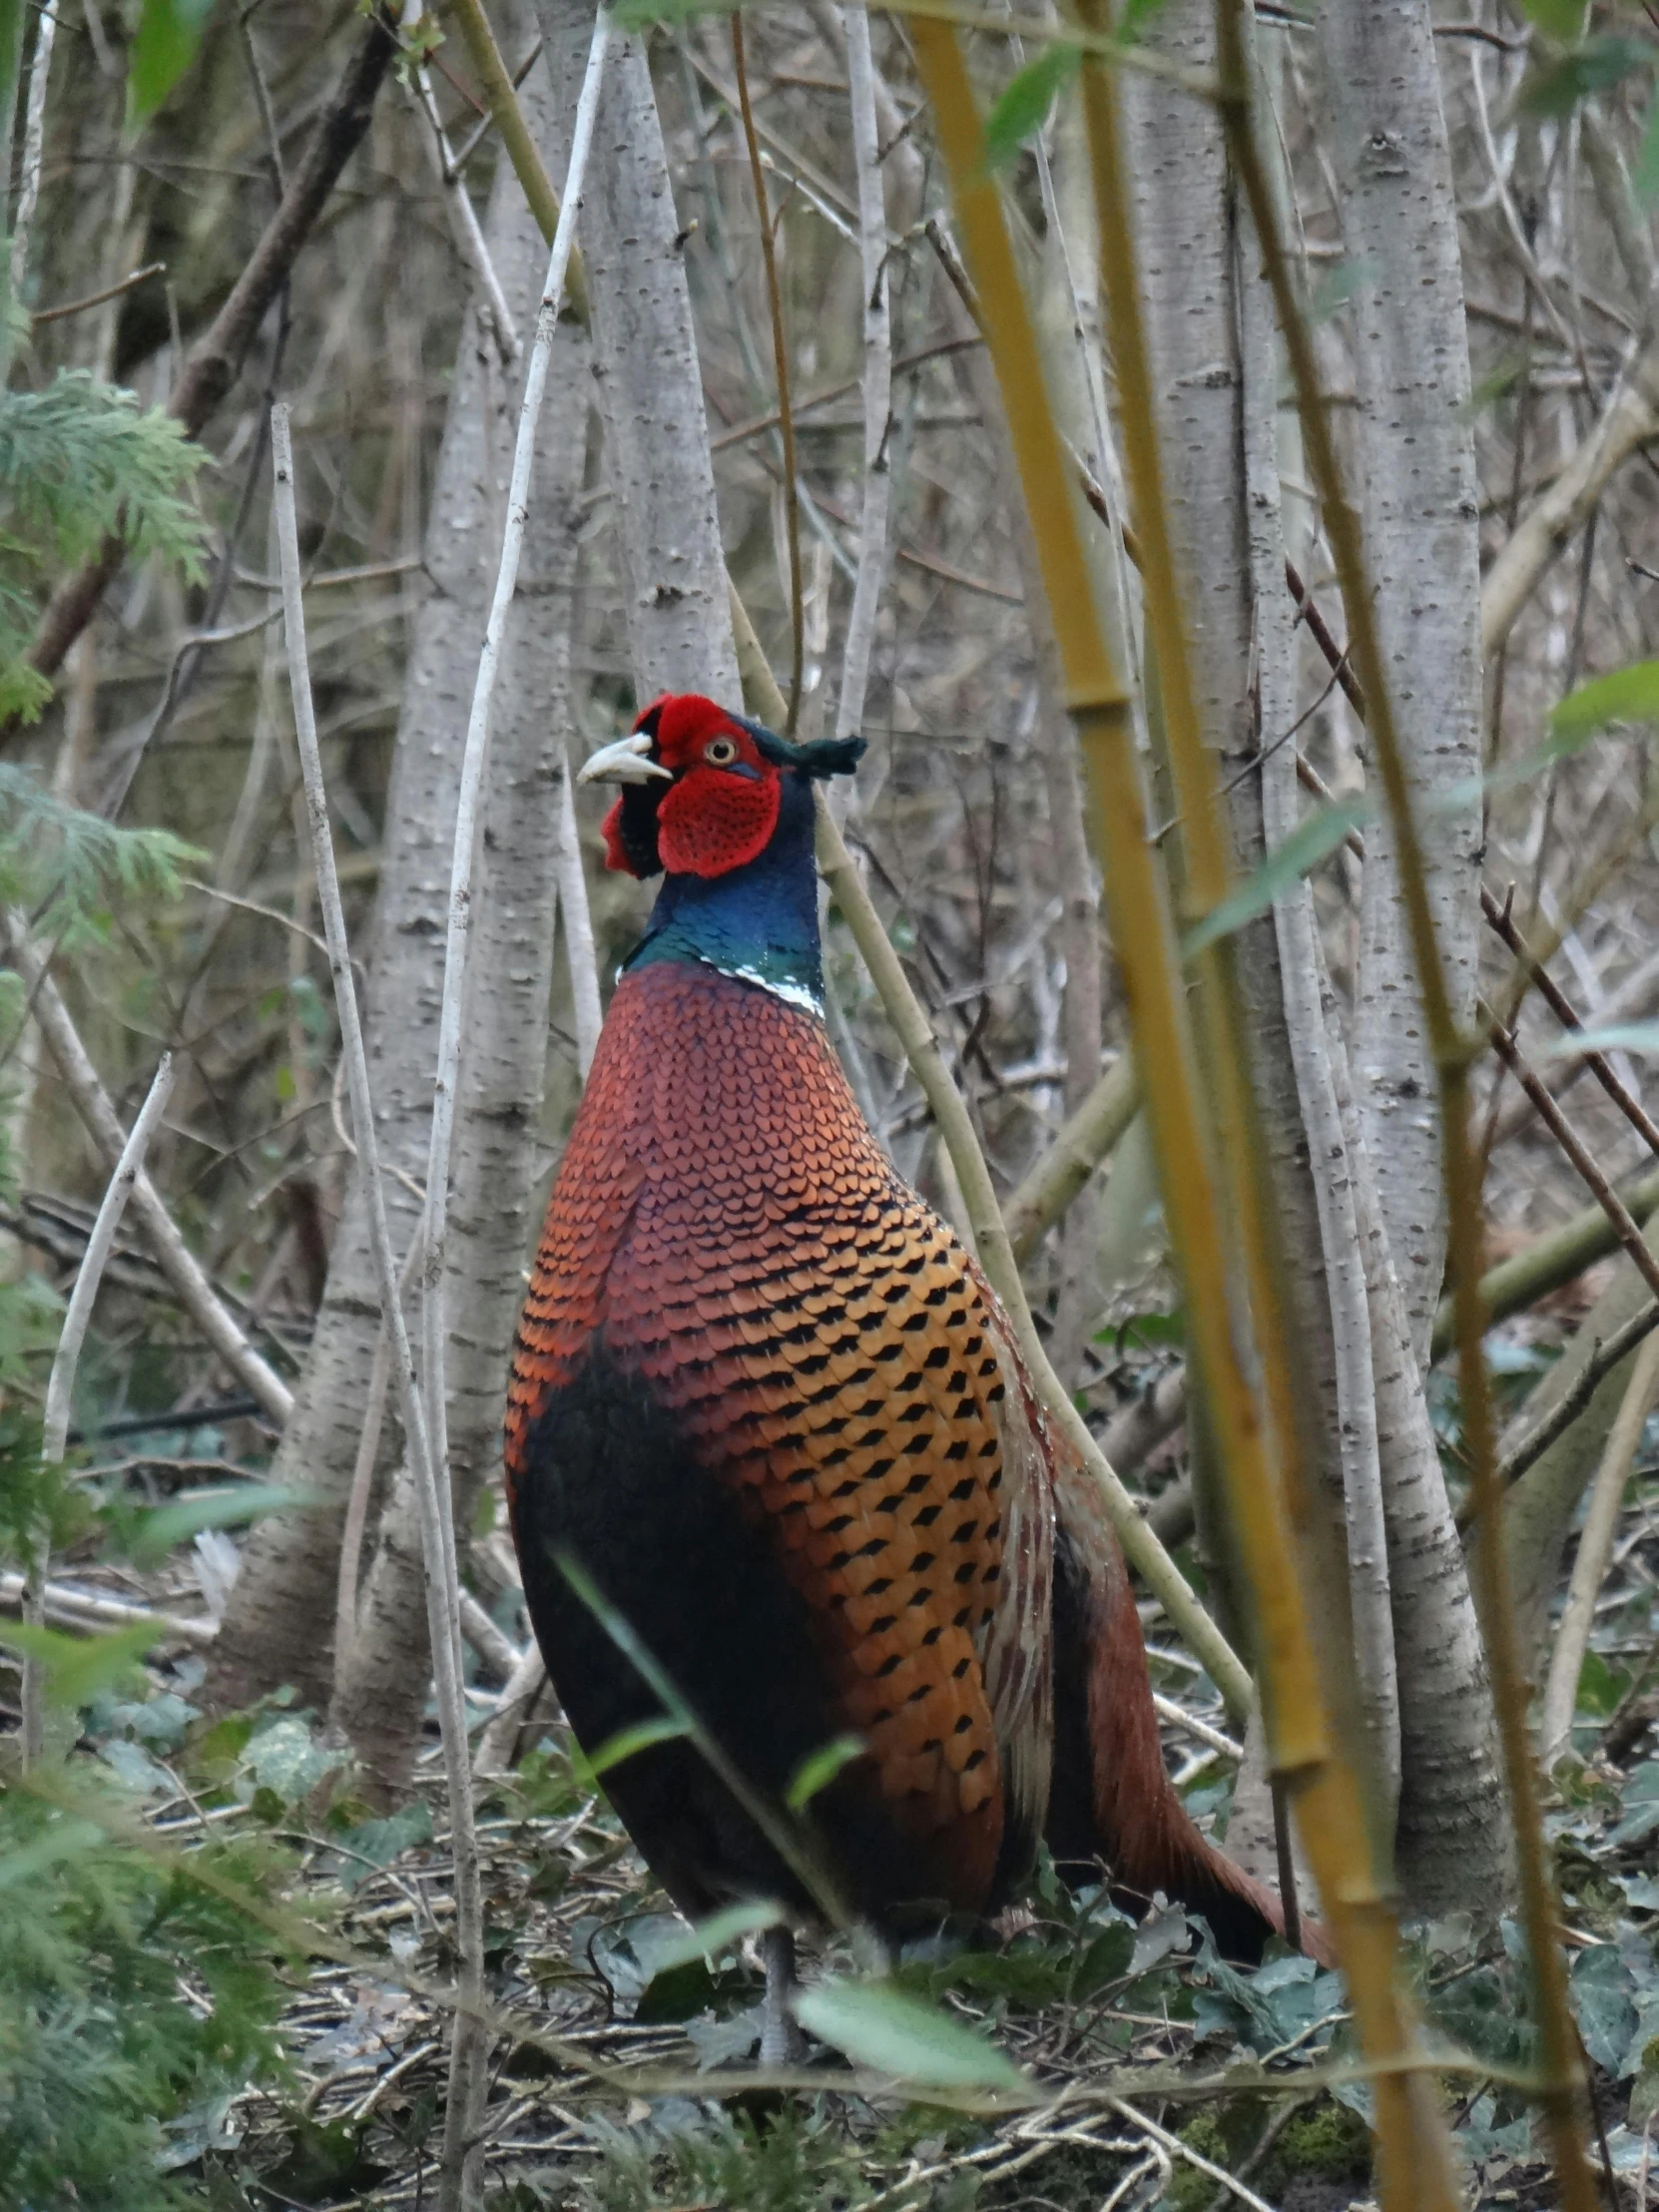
(628, 761)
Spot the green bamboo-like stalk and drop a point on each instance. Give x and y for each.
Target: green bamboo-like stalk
(1206, 878)
(1416, 2155)
(1560, 2090)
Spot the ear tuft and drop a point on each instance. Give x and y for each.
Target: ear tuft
(821, 758)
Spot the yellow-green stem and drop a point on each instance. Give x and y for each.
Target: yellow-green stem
(496, 84)
(1206, 879)
(1415, 2154)
(1561, 2092)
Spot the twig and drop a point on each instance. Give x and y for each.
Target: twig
(496, 85)
(878, 376)
(495, 1746)
(1184, 2151)
(468, 2084)
(1538, 1440)
(98, 299)
(1562, 1130)
(87, 1609)
(780, 362)
(34, 135)
(463, 221)
(362, 1471)
(1191, 1725)
(581, 959)
(180, 1264)
(60, 1385)
(1502, 923)
(1084, 1140)
(1595, 1551)
(442, 1588)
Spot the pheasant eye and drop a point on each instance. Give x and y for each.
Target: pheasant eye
(720, 751)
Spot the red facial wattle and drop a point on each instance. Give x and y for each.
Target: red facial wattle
(714, 819)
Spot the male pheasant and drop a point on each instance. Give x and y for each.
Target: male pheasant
(768, 1405)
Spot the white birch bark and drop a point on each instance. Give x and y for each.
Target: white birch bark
(271, 1633)
(380, 1692)
(647, 380)
(1184, 234)
(1416, 485)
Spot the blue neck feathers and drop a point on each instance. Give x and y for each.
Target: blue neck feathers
(759, 921)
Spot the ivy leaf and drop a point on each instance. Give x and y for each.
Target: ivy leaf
(1308, 843)
(164, 47)
(1027, 101)
(877, 2027)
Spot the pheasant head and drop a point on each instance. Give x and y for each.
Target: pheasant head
(722, 809)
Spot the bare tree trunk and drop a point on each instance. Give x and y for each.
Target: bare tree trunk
(1416, 485)
(647, 377)
(1185, 230)
(273, 1631)
(1416, 481)
(380, 1693)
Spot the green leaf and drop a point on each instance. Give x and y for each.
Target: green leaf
(164, 47)
(1627, 694)
(1596, 66)
(77, 1667)
(820, 1768)
(1561, 19)
(876, 2027)
(1617, 1036)
(664, 1729)
(1309, 842)
(1027, 101)
(159, 1532)
(706, 1938)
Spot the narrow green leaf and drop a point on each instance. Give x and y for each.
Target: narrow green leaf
(159, 1532)
(1644, 178)
(1627, 694)
(163, 48)
(709, 1938)
(1618, 1036)
(1596, 66)
(628, 1741)
(1027, 101)
(77, 1667)
(820, 1768)
(1308, 843)
(877, 2027)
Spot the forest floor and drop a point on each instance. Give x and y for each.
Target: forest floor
(623, 2079)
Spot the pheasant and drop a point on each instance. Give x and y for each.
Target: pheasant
(765, 1401)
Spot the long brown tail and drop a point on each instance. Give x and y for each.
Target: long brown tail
(1112, 1799)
